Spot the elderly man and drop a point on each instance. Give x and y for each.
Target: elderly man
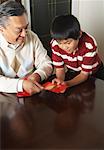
(21, 52)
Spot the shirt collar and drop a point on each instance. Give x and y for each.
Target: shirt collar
(13, 46)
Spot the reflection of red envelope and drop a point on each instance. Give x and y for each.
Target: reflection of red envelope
(54, 87)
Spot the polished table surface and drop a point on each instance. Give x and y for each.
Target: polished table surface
(73, 120)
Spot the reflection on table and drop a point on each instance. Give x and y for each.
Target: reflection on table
(73, 120)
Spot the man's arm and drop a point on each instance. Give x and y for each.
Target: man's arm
(10, 85)
(43, 63)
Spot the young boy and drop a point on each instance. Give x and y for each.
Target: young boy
(74, 49)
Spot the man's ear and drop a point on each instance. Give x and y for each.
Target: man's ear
(1, 29)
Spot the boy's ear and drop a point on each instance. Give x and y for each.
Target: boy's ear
(80, 33)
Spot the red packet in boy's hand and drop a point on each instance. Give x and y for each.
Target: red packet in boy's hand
(54, 87)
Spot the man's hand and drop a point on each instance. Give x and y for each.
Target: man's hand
(34, 77)
(32, 87)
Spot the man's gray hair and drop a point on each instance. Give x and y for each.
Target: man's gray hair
(10, 8)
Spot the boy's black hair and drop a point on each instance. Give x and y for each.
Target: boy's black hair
(64, 27)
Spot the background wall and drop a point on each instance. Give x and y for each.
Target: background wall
(91, 16)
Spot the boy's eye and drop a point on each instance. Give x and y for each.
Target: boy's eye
(68, 42)
(64, 42)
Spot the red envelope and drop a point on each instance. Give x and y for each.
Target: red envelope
(23, 94)
(54, 87)
(48, 86)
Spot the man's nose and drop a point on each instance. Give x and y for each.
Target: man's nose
(23, 33)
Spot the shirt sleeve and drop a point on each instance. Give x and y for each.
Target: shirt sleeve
(43, 63)
(10, 85)
(91, 59)
(56, 56)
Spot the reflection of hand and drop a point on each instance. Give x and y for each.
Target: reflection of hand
(66, 121)
(32, 87)
(84, 94)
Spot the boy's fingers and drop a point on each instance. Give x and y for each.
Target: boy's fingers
(57, 81)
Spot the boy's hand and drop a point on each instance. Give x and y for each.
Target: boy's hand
(32, 87)
(57, 81)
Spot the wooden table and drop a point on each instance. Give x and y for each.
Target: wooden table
(49, 121)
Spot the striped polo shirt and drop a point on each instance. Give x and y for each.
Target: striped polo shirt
(85, 58)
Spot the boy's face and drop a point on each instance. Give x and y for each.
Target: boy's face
(68, 45)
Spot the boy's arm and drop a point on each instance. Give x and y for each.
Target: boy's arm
(78, 79)
(60, 73)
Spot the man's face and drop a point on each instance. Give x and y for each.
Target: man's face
(15, 30)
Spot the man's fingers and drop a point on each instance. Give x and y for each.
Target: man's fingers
(38, 85)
